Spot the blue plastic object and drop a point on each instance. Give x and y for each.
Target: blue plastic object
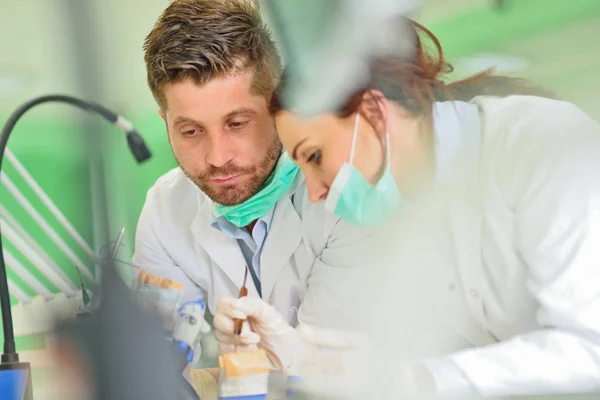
(183, 348)
(13, 384)
(199, 302)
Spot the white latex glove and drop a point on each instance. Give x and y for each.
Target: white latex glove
(335, 364)
(263, 327)
(407, 380)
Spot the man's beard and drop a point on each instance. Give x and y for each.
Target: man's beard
(237, 193)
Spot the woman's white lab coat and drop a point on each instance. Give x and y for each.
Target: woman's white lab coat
(508, 264)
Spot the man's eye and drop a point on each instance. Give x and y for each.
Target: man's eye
(189, 133)
(314, 157)
(238, 124)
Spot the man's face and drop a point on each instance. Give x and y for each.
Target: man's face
(222, 135)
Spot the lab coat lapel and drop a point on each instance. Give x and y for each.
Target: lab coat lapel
(465, 212)
(458, 151)
(285, 234)
(222, 249)
(466, 220)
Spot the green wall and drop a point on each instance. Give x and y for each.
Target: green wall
(54, 153)
(486, 29)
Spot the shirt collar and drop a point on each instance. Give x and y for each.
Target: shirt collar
(224, 225)
(221, 223)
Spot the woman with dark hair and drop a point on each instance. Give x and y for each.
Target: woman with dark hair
(523, 214)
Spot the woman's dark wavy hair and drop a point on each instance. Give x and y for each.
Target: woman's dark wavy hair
(415, 83)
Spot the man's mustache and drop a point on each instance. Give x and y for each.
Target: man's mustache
(225, 172)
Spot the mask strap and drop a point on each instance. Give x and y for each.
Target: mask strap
(388, 149)
(354, 138)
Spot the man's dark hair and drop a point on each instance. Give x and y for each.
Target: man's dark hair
(204, 39)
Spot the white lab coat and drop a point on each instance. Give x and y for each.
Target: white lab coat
(305, 250)
(503, 272)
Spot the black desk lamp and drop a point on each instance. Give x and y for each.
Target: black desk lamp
(10, 357)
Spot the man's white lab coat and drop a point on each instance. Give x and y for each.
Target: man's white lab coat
(499, 280)
(306, 254)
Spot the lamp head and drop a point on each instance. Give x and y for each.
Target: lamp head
(138, 147)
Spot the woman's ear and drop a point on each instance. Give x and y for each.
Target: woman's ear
(375, 109)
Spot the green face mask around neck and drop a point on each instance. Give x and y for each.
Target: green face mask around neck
(261, 203)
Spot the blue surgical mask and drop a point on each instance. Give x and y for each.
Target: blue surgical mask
(353, 199)
(261, 203)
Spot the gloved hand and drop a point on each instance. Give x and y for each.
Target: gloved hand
(404, 379)
(263, 327)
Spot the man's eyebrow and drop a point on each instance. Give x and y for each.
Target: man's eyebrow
(239, 111)
(295, 151)
(185, 120)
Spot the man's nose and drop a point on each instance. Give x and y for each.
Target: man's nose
(220, 151)
(317, 189)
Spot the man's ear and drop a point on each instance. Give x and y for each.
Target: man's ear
(375, 109)
(162, 115)
(164, 118)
